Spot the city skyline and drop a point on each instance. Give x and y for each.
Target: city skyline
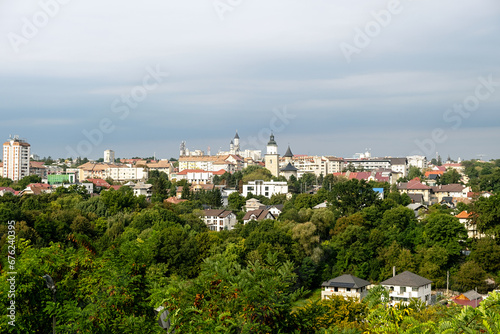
(398, 77)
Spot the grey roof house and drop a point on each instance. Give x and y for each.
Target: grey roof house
(346, 286)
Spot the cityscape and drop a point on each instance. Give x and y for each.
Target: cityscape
(238, 167)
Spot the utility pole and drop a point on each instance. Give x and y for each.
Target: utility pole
(447, 282)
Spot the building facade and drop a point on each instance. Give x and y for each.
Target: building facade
(265, 188)
(406, 286)
(16, 159)
(109, 156)
(347, 286)
(271, 159)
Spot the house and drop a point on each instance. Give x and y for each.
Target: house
(276, 210)
(161, 166)
(218, 220)
(321, 205)
(142, 188)
(259, 214)
(37, 168)
(36, 189)
(4, 190)
(417, 207)
(416, 198)
(174, 200)
(418, 161)
(415, 187)
(345, 286)
(469, 298)
(454, 190)
(99, 183)
(252, 204)
(406, 286)
(465, 218)
(448, 202)
(400, 166)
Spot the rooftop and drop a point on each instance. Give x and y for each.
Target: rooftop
(346, 281)
(407, 278)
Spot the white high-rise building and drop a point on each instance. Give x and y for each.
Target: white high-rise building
(16, 159)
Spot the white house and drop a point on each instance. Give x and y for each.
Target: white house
(406, 286)
(275, 209)
(252, 204)
(465, 219)
(345, 286)
(142, 188)
(218, 220)
(265, 188)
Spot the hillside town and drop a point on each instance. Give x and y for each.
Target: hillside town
(405, 229)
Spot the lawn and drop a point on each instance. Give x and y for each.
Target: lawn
(311, 296)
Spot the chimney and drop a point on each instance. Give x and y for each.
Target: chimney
(393, 271)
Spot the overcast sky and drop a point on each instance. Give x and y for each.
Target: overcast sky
(328, 77)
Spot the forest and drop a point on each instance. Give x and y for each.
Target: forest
(115, 258)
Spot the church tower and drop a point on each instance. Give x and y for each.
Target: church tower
(288, 156)
(272, 157)
(236, 142)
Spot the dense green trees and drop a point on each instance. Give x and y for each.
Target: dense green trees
(116, 257)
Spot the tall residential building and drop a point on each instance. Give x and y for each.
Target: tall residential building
(109, 156)
(16, 159)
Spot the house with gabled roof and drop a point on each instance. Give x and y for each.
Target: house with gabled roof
(218, 219)
(469, 298)
(4, 190)
(257, 215)
(345, 286)
(454, 190)
(141, 188)
(406, 286)
(465, 218)
(416, 187)
(275, 209)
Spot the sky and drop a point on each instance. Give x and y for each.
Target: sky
(326, 77)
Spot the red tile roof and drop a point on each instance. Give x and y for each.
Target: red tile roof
(437, 172)
(464, 215)
(415, 184)
(175, 200)
(100, 183)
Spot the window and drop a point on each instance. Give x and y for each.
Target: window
(336, 289)
(348, 289)
(403, 289)
(414, 289)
